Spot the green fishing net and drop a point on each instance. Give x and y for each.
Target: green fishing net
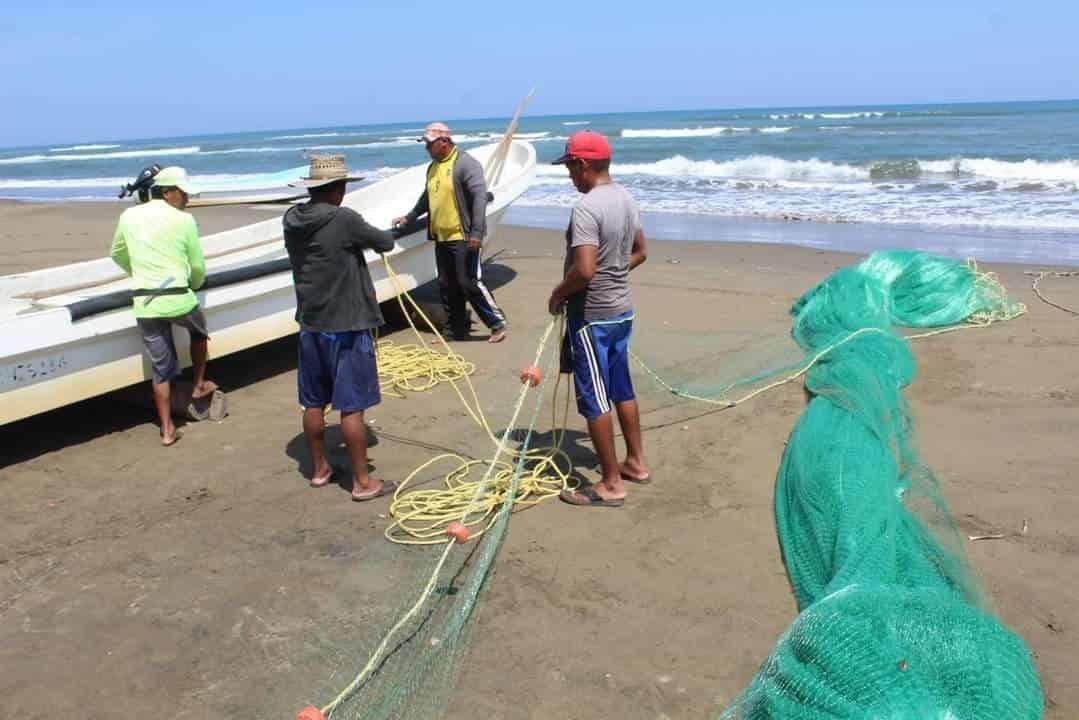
(399, 655)
(891, 623)
(891, 626)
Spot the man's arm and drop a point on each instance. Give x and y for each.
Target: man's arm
(194, 257)
(578, 277)
(421, 207)
(366, 236)
(585, 233)
(476, 186)
(639, 252)
(418, 210)
(119, 249)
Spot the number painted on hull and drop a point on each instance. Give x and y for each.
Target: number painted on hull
(17, 374)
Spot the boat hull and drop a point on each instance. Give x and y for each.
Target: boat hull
(49, 361)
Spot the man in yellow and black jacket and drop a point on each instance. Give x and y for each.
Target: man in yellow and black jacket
(455, 199)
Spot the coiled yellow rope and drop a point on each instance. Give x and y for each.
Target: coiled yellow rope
(480, 493)
(420, 517)
(415, 368)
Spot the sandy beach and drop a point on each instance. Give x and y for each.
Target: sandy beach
(209, 581)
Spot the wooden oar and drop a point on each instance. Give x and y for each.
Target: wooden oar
(493, 172)
(264, 199)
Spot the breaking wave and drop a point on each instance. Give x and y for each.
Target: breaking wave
(305, 136)
(158, 152)
(699, 131)
(210, 182)
(83, 147)
(674, 132)
(1066, 171)
(758, 167)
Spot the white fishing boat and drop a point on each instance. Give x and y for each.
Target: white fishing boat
(66, 333)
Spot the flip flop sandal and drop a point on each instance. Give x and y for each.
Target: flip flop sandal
(593, 498)
(640, 481)
(387, 488)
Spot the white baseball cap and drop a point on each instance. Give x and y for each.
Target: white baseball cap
(175, 176)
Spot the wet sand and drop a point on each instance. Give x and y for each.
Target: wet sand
(208, 580)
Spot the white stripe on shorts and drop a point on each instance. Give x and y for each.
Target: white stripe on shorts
(597, 379)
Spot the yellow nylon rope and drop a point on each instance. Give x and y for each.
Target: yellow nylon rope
(981, 319)
(420, 517)
(1041, 275)
(477, 502)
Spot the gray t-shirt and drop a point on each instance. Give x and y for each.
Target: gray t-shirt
(606, 217)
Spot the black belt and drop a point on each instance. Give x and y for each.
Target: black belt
(154, 292)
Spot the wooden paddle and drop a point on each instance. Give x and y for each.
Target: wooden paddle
(264, 199)
(493, 172)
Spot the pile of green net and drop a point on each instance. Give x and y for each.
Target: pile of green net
(891, 625)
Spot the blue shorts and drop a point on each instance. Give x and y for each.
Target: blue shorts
(338, 368)
(597, 353)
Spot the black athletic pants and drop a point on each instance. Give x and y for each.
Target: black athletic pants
(460, 278)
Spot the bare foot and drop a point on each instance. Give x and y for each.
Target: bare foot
(206, 387)
(497, 336)
(170, 437)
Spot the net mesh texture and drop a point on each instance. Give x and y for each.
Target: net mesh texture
(891, 623)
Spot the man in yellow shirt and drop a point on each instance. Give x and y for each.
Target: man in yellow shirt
(455, 199)
(157, 244)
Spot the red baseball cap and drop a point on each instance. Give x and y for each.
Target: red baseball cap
(585, 145)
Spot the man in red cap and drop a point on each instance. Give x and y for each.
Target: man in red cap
(604, 242)
(455, 201)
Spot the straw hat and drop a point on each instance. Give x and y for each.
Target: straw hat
(325, 169)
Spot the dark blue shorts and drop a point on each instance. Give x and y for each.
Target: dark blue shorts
(338, 368)
(597, 353)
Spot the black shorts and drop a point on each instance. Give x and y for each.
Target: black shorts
(157, 337)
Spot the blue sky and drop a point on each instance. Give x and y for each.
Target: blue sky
(80, 71)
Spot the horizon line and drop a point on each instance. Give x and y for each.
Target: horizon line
(853, 106)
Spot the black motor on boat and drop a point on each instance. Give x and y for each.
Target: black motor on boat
(142, 184)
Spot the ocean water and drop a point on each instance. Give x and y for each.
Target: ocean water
(994, 169)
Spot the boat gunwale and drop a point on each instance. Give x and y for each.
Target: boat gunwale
(64, 331)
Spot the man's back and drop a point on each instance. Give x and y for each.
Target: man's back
(606, 217)
(158, 246)
(325, 243)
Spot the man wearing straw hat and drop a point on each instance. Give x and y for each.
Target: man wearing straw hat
(336, 308)
(157, 244)
(455, 201)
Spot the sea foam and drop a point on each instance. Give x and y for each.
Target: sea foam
(158, 152)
